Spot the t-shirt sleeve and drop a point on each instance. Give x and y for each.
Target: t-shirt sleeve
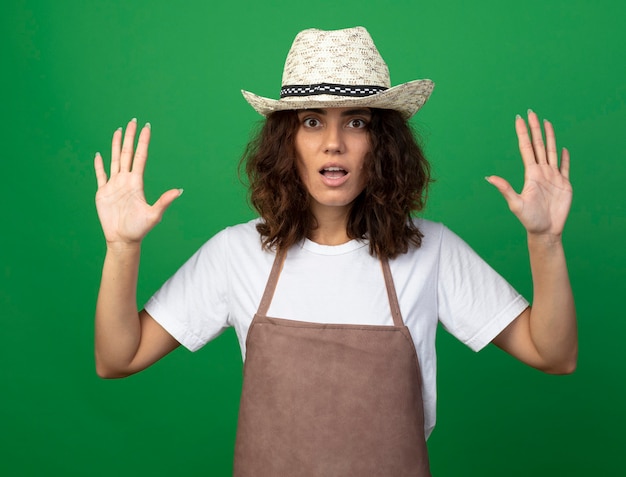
(193, 304)
(475, 302)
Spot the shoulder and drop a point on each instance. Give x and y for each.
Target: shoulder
(432, 234)
(234, 236)
(438, 243)
(429, 228)
(438, 235)
(243, 231)
(423, 259)
(237, 246)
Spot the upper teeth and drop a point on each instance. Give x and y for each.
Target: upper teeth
(333, 169)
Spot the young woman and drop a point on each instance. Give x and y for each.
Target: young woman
(335, 292)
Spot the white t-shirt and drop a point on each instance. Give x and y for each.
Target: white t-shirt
(442, 281)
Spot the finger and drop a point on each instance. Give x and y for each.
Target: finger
(126, 157)
(101, 175)
(512, 198)
(141, 155)
(166, 199)
(565, 163)
(552, 156)
(525, 146)
(115, 151)
(535, 131)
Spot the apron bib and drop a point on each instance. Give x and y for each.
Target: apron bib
(330, 399)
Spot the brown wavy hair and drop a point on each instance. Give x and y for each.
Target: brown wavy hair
(397, 174)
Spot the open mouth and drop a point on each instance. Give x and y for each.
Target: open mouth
(333, 172)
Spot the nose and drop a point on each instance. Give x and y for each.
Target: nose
(333, 139)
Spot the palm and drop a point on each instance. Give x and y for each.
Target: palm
(544, 202)
(124, 214)
(122, 209)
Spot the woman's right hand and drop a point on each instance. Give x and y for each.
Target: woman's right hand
(124, 214)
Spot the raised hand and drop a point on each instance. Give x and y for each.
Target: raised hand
(543, 205)
(124, 214)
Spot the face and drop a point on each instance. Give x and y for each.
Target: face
(331, 145)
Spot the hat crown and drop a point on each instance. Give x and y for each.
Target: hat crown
(340, 69)
(347, 57)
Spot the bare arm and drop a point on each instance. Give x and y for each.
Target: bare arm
(544, 336)
(126, 340)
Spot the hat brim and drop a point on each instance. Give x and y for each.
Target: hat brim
(407, 98)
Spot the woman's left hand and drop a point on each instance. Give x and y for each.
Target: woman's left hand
(543, 205)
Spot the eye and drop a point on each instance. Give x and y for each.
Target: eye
(357, 123)
(310, 122)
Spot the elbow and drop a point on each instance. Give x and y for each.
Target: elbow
(563, 367)
(570, 366)
(108, 372)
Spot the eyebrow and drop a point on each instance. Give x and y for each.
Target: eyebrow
(348, 112)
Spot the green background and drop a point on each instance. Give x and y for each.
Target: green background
(73, 71)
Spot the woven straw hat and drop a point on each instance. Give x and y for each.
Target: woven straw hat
(340, 68)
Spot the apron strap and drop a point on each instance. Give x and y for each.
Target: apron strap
(272, 281)
(270, 286)
(391, 293)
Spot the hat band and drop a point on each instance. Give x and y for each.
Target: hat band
(357, 91)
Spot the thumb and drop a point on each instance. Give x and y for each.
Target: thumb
(505, 189)
(166, 200)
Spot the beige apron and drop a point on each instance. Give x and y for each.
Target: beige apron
(330, 399)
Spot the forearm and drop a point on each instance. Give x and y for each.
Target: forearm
(117, 328)
(553, 328)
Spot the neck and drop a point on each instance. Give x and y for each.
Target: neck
(332, 225)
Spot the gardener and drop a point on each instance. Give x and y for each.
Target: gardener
(336, 290)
